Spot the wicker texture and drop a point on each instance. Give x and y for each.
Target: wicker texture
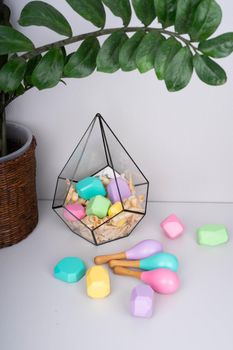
(18, 200)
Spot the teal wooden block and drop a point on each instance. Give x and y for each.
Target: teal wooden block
(90, 187)
(70, 269)
(98, 206)
(212, 235)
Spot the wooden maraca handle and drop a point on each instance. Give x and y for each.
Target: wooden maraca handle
(118, 270)
(103, 259)
(126, 263)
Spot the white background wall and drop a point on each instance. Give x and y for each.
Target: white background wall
(182, 141)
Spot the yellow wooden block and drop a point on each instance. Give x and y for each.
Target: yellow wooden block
(98, 282)
(115, 209)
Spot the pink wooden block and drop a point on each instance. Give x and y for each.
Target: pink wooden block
(76, 209)
(172, 226)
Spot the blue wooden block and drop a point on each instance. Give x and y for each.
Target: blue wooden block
(70, 269)
(90, 187)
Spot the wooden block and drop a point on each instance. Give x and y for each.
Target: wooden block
(90, 187)
(172, 226)
(142, 301)
(212, 235)
(115, 209)
(98, 282)
(98, 206)
(70, 269)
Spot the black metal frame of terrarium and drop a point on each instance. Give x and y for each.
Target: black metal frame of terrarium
(100, 153)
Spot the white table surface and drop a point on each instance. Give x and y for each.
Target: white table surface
(38, 312)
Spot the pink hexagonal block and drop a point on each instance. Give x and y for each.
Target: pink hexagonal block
(172, 226)
(142, 301)
(76, 209)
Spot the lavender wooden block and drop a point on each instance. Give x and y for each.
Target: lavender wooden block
(142, 301)
(113, 192)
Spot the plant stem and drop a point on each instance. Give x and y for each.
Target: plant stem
(186, 41)
(14, 96)
(3, 136)
(102, 32)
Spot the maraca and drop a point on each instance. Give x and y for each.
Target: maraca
(163, 281)
(159, 260)
(139, 251)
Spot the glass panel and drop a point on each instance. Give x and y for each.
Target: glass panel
(76, 226)
(89, 156)
(120, 159)
(138, 200)
(62, 188)
(119, 226)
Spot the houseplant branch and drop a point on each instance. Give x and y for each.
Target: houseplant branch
(173, 54)
(98, 33)
(102, 32)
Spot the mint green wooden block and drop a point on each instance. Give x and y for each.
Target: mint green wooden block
(70, 269)
(98, 206)
(212, 235)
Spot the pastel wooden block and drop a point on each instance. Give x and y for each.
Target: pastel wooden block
(115, 209)
(90, 187)
(98, 206)
(74, 211)
(98, 282)
(172, 226)
(70, 269)
(114, 194)
(142, 301)
(212, 235)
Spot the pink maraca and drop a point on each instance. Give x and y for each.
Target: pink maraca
(163, 281)
(141, 250)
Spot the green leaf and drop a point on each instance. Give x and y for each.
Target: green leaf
(20, 90)
(49, 70)
(221, 46)
(91, 10)
(179, 70)
(209, 71)
(145, 10)
(207, 18)
(68, 57)
(146, 51)
(12, 74)
(166, 11)
(39, 13)
(120, 8)
(31, 65)
(108, 56)
(164, 55)
(185, 14)
(83, 62)
(12, 41)
(127, 56)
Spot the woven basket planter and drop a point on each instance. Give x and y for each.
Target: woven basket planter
(18, 200)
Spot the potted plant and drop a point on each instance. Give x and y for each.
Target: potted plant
(173, 46)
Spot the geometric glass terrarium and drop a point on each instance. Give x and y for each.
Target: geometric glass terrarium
(101, 194)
